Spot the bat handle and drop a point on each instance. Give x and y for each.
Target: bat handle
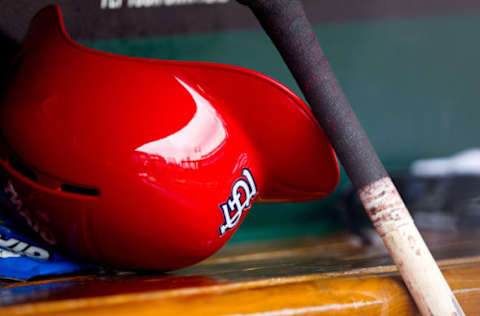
(286, 24)
(289, 29)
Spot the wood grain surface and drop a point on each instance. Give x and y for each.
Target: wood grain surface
(329, 276)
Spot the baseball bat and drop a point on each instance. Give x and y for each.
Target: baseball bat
(287, 26)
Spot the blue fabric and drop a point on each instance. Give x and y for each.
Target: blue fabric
(24, 256)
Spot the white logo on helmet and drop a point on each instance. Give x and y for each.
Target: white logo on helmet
(234, 207)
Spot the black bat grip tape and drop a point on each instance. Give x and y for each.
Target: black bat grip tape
(286, 24)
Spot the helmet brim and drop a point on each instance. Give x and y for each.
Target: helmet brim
(297, 158)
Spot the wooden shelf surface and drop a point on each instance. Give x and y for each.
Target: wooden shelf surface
(316, 276)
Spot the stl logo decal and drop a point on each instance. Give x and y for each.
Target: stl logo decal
(234, 207)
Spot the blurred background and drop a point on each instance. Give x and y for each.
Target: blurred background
(409, 68)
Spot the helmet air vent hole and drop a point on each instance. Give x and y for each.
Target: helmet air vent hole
(79, 190)
(52, 183)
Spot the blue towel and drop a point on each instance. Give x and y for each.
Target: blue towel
(24, 256)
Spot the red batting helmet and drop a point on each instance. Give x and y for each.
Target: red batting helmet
(148, 164)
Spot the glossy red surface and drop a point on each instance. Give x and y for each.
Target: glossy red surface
(128, 161)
